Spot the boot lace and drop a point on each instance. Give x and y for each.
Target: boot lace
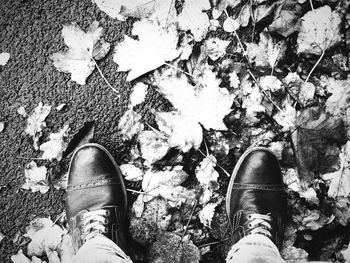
(260, 224)
(94, 223)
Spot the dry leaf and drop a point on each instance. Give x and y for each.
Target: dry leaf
(130, 124)
(131, 172)
(230, 25)
(221, 5)
(267, 52)
(54, 148)
(139, 94)
(338, 103)
(4, 58)
(154, 47)
(205, 172)
(21, 258)
(270, 83)
(194, 19)
(36, 122)
(153, 146)
(207, 213)
(287, 117)
(61, 106)
(45, 237)
(234, 80)
(320, 30)
(2, 126)
(216, 48)
(35, 178)
(84, 48)
(181, 131)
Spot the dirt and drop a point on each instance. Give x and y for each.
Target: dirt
(31, 32)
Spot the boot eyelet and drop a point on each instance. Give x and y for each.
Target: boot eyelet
(250, 225)
(107, 213)
(249, 216)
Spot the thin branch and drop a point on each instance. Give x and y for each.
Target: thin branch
(189, 220)
(104, 78)
(214, 243)
(312, 5)
(312, 70)
(178, 69)
(216, 164)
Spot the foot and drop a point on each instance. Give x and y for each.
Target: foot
(256, 202)
(96, 200)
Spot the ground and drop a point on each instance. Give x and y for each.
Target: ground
(30, 32)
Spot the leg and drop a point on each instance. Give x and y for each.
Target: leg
(256, 206)
(96, 206)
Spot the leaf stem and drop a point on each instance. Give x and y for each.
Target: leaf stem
(313, 68)
(172, 66)
(312, 5)
(104, 78)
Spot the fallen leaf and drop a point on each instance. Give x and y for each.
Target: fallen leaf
(35, 178)
(287, 117)
(170, 247)
(36, 122)
(84, 49)
(230, 25)
(61, 106)
(54, 148)
(45, 237)
(139, 94)
(216, 48)
(234, 80)
(2, 236)
(154, 47)
(270, 83)
(267, 52)
(130, 124)
(4, 58)
(2, 126)
(338, 102)
(319, 31)
(173, 124)
(153, 146)
(244, 15)
(131, 172)
(194, 19)
(21, 258)
(205, 172)
(286, 18)
(207, 213)
(221, 5)
(346, 253)
(21, 111)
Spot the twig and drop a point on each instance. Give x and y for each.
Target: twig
(178, 69)
(104, 78)
(214, 243)
(31, 158)
(312, 70)
(269, 98)
(312, 5)
(189, 220)
(239, 40)
(58, 218)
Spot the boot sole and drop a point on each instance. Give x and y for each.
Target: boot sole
(235, 170)
(114, 163)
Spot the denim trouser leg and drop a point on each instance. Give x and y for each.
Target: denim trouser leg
(254, 248)
(100, 249)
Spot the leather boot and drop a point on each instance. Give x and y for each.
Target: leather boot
(256, 202)
(96, 200)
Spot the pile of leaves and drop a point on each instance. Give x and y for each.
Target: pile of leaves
(236, 74)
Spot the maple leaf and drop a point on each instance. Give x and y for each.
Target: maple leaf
(84, 49)
(35, 178)
(54, 148)
(320, 30)
(4, 58)
(130, 124)
(192, 18)
(205, 103)
(36, 122)
(207, 213)
(267, 52)
(131, 172)
(155, 47)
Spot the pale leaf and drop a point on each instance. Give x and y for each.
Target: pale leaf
(176, 195)
(4, 58)
(205, 171)
(287, 117)
(131, 172)
(21, 258)
(130, 124)
(78, 60)
(45, 236)
(192, 18)
(339, 101)
(230, 25)
(270, 83)
(207, 213)
(22, 111)
(153, 146)
(320, 30)
(2, 126)
(138, 206)
(221, 5)
(216, 48)
(181, 131)
(234, 80)
(267, 52)
(36, 122)
(35, 178)
(154, 47)
(54, 148)
(139, 94)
